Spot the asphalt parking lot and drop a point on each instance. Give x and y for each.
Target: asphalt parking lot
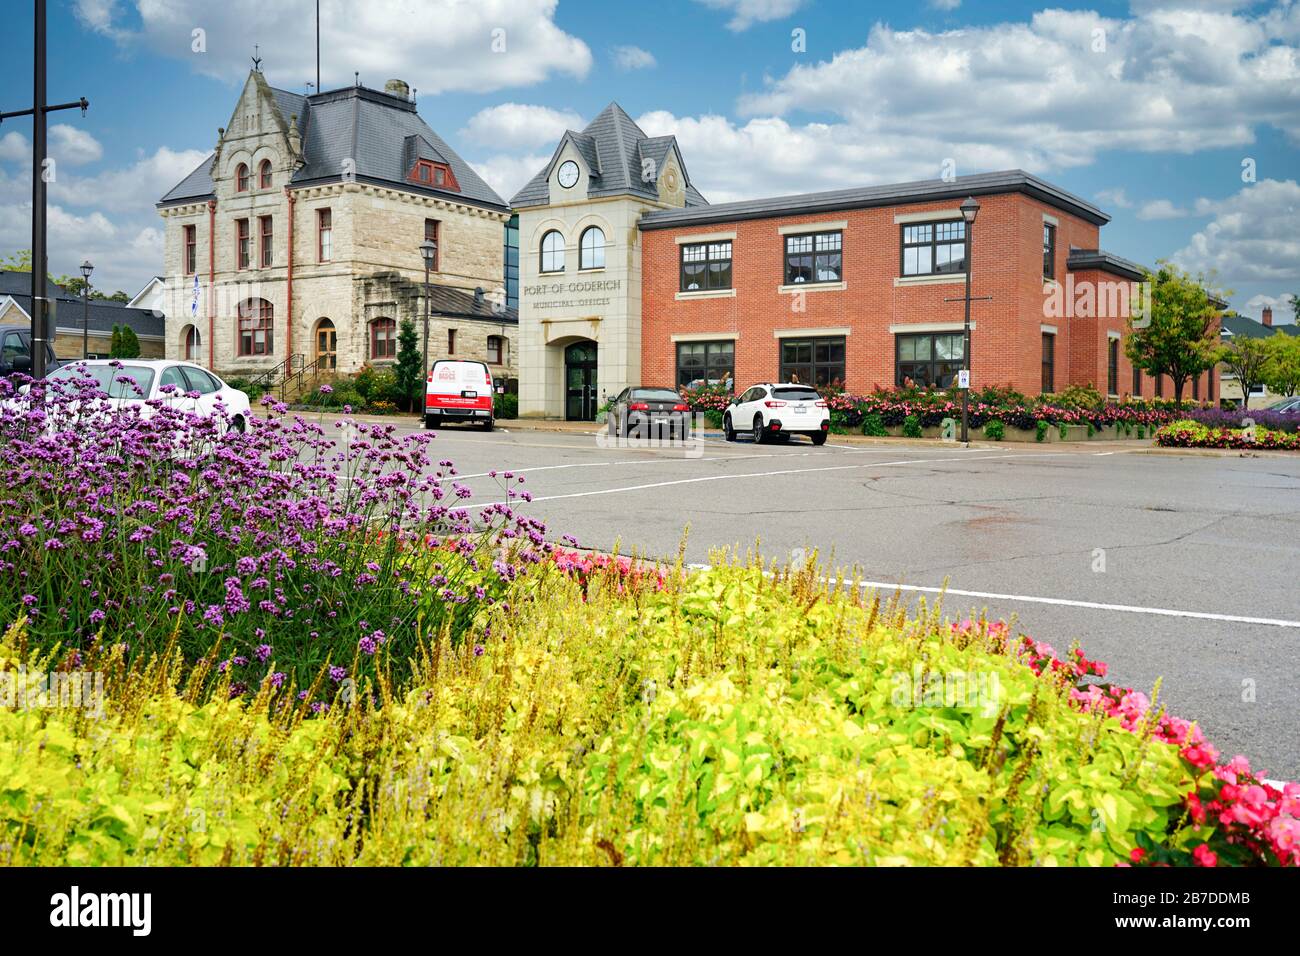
(1175, 567)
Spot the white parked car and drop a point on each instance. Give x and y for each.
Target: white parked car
(769, 411)
(135, 381)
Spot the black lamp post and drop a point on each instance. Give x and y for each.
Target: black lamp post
(86, 270)
(429, 250)
(969, 210)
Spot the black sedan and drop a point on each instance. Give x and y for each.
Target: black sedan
(645, 412)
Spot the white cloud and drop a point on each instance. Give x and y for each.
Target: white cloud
(108, 217)
(508, 174)
(745, 13)
(436, 46)
(515, 125)
(15, 147)
(74, 146)
(633, 58)
(945, 4)
(1254, 235)
(1167, 81)
(1115, 197)
(1160, 209)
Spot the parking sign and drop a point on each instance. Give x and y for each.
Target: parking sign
(963, 378)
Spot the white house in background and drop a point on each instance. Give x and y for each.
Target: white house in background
(152, 296)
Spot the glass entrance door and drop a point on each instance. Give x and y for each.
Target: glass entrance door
(580, 382)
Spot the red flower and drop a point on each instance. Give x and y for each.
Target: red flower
(1204, 856)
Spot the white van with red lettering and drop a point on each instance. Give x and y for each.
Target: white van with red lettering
(458, 391)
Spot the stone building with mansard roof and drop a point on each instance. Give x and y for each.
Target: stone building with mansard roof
(296, 243)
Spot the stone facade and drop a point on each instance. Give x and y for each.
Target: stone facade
(373, 270)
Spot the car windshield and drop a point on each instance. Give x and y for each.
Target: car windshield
(117, 382)
(655, 395)
(795, 394)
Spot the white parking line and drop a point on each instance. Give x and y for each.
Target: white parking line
(768, 474)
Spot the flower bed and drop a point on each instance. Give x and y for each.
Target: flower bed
(1221, 418)
(606, 718)
(285, 547)
(894, 408)
(1187, 433)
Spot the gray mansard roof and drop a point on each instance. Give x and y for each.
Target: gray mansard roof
(378, 130)
(613, 147)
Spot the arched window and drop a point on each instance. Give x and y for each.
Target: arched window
(256, 327)
(327, 345)
(383, 339)
(241, 178)
(264, 175)
(193, 344)
(591, 248)
(552, 252)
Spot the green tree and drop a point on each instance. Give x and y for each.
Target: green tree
(1246, 358)
(130, 343)
(410, 377)
(115, 342)
(1282, 364)
(1295, 306)
(1180, 337)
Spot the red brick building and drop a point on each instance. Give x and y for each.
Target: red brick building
(857, 286)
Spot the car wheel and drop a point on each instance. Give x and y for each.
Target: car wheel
(758, 430)
(489, 425)
(431, 421)
(728, 432)
(238, 424)
(819, 438)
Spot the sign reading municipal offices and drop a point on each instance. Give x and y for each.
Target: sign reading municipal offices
(568, 295)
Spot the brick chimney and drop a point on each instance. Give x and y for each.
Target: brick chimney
(1268, 316)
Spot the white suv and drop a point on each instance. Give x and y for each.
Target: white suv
(773, 410)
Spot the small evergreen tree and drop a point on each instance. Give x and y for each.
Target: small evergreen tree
(410, 376)
(115, 342)
(130, 343)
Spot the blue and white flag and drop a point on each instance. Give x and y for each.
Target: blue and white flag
(194, 300)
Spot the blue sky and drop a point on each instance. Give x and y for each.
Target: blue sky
(1147, 108)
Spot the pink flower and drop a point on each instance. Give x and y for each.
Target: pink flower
(1204, 856)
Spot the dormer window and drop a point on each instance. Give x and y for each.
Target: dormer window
(438, 175)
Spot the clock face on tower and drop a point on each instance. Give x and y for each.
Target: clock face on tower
(568, 174)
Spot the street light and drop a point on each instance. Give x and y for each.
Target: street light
(429, 251)
(969, 210)
(86, 270)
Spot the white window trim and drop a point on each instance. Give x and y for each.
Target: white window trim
(1049, 329)
(707, 294)
(699, 237)
(1051, 220)
(811, 333)
(943, 279)
(1110, 335)
(908, 328)
(704, 337)
(812, 287)
(934, 215)
(811, 227)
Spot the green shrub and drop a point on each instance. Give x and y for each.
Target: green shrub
(912, 426)
(873, 426)
(1063, 430)
(1040, 431)
(816, 729)
(1076, 396)
(505, 405)
(994, 430)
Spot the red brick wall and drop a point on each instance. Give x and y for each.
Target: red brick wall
(1006, 344)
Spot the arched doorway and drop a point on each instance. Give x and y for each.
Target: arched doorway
(327, 346)
(192, 343)
(580, 382)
